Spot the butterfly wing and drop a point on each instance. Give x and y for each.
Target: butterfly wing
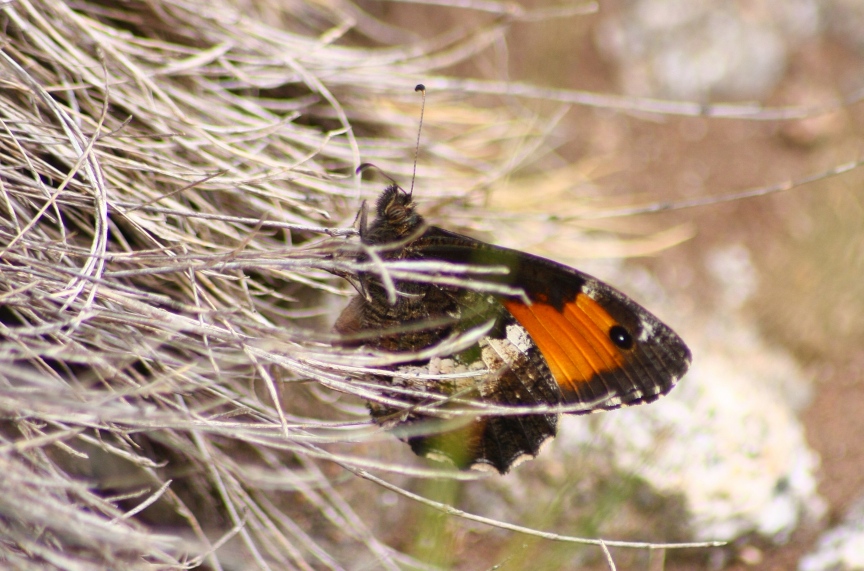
(508, 370)
(602, 349)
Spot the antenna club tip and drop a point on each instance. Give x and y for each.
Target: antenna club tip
(420, 87)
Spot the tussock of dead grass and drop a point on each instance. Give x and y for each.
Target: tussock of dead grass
(173, 176)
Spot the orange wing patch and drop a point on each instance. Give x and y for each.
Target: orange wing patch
(575, 342)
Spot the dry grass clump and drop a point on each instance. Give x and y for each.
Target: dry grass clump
(171, 171)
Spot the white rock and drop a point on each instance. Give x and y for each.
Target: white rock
(840, 548)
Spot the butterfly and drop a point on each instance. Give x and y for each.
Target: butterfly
(554, 337)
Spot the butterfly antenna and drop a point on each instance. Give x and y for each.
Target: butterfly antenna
(422, 89)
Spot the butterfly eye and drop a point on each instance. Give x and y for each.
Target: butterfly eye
(621, 337)
(397, 214)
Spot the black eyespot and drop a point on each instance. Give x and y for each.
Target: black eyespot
(621, 337)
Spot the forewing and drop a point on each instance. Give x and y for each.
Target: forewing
(603, 349)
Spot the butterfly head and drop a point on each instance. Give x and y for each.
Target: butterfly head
(396, 215)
